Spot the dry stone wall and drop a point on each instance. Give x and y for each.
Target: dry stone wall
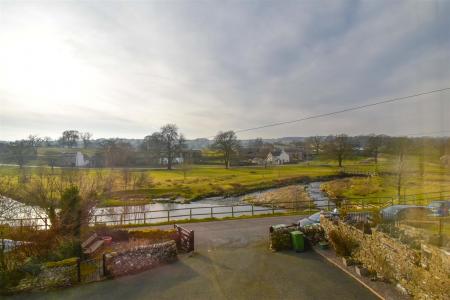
(423, 273)
(49, 277)
(140, 258)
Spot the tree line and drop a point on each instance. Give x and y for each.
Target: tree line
(168, 147)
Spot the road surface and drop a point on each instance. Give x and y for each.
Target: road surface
(232, 261)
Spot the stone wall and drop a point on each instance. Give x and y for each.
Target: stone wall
(424, 273)
(50, 277)
(140, 258)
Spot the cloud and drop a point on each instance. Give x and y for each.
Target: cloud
(126, 68)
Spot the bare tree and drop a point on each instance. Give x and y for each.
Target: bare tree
(116, 153)
(400, 146)
(153, 146)
(47, 141)
(20, 152)
(186, 165)
(70, 138)
(338, 147)
(86, 138)
(316, 143)
(126, 177)
(373, 146)
(165, 144)
(228, 144)
(173, 142)
(34, 141)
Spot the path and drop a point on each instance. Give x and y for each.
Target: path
(231, 262)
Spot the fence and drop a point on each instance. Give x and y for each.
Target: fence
(220, 211)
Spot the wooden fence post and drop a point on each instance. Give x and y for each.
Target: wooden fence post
(168, 215)
(232, 211)
(190, 213)
(212, 212)
(252, 210)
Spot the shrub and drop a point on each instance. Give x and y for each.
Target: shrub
(343, 245)
(62, 263)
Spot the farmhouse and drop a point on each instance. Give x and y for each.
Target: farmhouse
(278, 157)
(74, 159)
(176, 160)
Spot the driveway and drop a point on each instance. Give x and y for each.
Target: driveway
(232, 261)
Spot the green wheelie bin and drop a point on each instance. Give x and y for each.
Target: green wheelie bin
(298, 241)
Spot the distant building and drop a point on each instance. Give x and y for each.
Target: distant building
(278, 157)
(176, 160)
(75, 159)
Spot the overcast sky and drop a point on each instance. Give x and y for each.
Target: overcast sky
(123, 69)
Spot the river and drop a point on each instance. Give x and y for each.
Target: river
(218, 207)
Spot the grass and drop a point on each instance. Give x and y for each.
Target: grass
(418, 181)
(199, 182)
(206, 181)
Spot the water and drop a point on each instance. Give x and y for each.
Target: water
(318, 196)
(218, 207)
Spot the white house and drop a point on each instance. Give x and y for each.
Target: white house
(80, 161)
(74, 159)
(278, 157)
(176, 160)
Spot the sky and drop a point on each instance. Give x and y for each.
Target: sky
(125, 68)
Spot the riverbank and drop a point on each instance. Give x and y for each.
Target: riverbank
(217, 189)
(117, 187)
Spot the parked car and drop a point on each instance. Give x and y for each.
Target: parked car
(312, 219)
(403, 211)
(440, 208)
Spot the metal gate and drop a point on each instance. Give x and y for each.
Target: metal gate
(91, 270)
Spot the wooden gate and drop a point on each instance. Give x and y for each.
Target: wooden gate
(185, 238)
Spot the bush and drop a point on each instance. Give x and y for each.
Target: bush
(62, 263)
(342, 245)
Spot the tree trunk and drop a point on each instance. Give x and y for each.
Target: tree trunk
(169, 158)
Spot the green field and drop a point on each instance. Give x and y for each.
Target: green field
(196, 183)
(115, 186)
(419, 179)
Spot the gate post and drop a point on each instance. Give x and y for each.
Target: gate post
(105, 272)
(192, 241)
(79, 269)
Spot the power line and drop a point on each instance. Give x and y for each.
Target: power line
(391, 100)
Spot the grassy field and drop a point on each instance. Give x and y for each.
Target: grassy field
(418, 178)
(118, 186)
(198, 182)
